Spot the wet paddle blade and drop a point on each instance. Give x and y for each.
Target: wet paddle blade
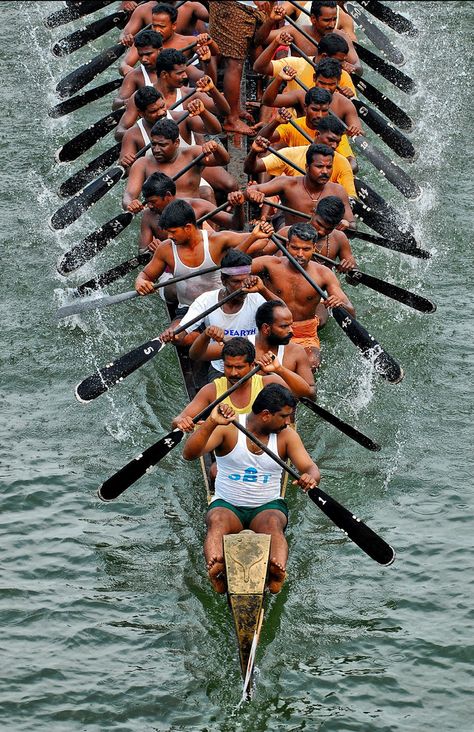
(114, 486)
(85, 199)
(106, 278)
(392, 172)
(107, 377)
(410, 299)
(73, 11)
(402, 245)
(388, 71)
(351, 432)
(78, 78)
(391, 110)
(375, 35)
(70, 105)
(392, 137)
(87, 138)
(77, 181)
(394, 20)
(93, 244)
(92, 31)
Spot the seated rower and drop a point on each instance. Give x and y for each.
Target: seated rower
(191, 249)
(301, 298)
(274, 323)
(159, 190)
(247, 488)
(192, 16)
(148, 45)
(344, 21)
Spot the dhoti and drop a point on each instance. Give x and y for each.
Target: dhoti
(305, 333)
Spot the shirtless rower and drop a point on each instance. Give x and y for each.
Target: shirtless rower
(170, 158)
(192, 16)
(148, 46)
(189, 248)
(159, 190)
(164, 19)
(344, 21)
(248, 483)
(301, 298)
(303, 192)
(274, 323)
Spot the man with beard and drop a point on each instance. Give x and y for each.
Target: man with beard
(274, 323)
(282, 278)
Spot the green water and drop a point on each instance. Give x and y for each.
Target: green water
(108, 622)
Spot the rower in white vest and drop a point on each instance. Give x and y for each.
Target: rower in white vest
(148, 45)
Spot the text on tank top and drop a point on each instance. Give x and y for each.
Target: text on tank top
(256, 386)
(246, 479)
(281, 349)
(189, 290)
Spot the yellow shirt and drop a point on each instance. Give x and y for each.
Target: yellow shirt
(256, 384)
(305, 73)
(292, 138)
(341, 169)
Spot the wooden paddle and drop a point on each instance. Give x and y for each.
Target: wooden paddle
(358, 532)
(78, 10)
(394, 20)
(111, 275)
(382, 362)
(383, 103)
(73, 103)
(87, 138)
(107, 377)
(79, 38)
(375, 35)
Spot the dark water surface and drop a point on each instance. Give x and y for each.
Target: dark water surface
(108, 622)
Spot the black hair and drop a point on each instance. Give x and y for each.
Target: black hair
(239, 346)
(333, 43)
(166, 128)
(273, 397)
(330, 68)
(158, 184)
(177, 213)
(146, 95)
(235, 258)
(148, 38)
(330, 124)
(165, 8)
(265, 313)
(331, 209)
(316, 6)
(315, 95)
(318, 149)
(306, 232)
(168, 59)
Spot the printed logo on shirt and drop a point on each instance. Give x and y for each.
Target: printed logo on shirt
(242, 332)
(251, 475)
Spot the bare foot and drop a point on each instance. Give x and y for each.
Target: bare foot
(215, 568)
(276, 576)
(235, 124)
(246, 116)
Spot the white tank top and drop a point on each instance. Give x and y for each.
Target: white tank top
(189, 290)
(245, 479)
(303, 19)
(146, 139)
(147, 79)
(281, 349)
(182, 141)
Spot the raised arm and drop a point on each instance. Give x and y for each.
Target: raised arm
(295, 383)
(212, 97)
(215, 154)
(136, 178)
(149, 275)
(184, 420)
(336, 295)
(209, 436)
(301, 459)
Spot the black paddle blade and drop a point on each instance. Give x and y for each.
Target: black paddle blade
(391, 110)
(382, 362)
(392, 137)
(374, 34)
(392, 172)
(361, 534)
(70, 105)
(92, 31)
(88, 71)
(396, 245)
(340, 425)
(411, 299)
(87, 138)
(105, 378)
(93, 244)
(114, 486)
(388, 71)
(394, 20)
(82, 201)
(77, 181)
(106, 278)
(395, 223)
(66, 15)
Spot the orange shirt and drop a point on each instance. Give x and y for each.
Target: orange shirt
(305, 73)
(292, 138)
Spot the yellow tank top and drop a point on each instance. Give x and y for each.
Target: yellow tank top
(256, 384)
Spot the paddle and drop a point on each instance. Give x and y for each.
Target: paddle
(106, 301)
(394, 20)
(366, 539)
(382, 362)
(60, 17)
(347, 429)
(105, 378)
(389, 108)
(70, 105)
(375, 35)
(374, 200)
(93, 192)
(94, 30)
(93, 243)
(80, 179)
(87, 138)
(136, 468)
(395, 139)
(388, 71)
(111, 275)
(392, 172)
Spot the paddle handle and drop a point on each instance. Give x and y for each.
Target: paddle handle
(289, 210)
(285, 159)
(298, 266)
(302, 31)
(212, 213)
(301, 131)
(180, 101)
(210, 310)
(299, 7)
(206, 412)
(189, 166)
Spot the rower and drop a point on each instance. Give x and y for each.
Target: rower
(274, 323)
(159, 190)
(190, 248)
(303, 192)
(301, 298)
(148, 46)
(344, 21)
(192, 16)
(248, 483)
(170, 158)
(234, 318)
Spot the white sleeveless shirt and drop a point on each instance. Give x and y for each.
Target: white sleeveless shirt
(148, 81)
(281, 349)
(245, 479)
(146, 139)
(189, 290)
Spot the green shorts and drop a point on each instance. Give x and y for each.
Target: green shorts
(246, 514)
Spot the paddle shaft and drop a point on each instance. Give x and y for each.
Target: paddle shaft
(202, 315)
(278, 154)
